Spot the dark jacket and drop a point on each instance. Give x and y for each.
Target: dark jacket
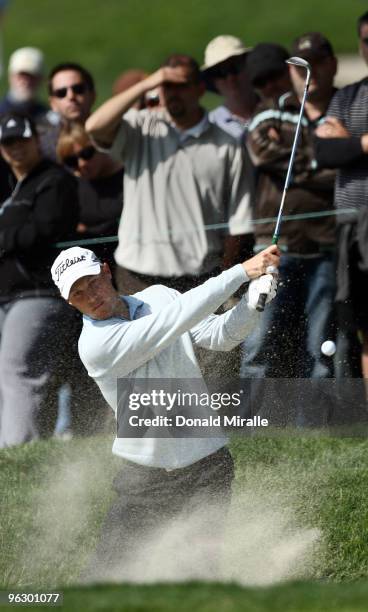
(5, 175)
(270, 138)
(42, 210)
(101, 204)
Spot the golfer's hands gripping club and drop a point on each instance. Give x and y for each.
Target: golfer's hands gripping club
(262, 270)
(262, 290)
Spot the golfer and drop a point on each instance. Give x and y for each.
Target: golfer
(152, 334)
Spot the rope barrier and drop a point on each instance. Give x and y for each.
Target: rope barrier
(216, 226)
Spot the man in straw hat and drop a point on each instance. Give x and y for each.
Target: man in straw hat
(225, 73)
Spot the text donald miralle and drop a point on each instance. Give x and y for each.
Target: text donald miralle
(159, 412)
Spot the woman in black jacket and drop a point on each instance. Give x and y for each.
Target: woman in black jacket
(42, 210)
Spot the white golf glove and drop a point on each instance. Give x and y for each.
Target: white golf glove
(266, 284)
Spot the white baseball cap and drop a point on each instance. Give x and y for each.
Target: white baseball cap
(72, 264)
(26, 59)
(222, 48)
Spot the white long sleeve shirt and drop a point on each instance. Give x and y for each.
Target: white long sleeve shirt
(157, 342)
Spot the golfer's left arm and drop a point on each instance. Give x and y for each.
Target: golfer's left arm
(224, 332)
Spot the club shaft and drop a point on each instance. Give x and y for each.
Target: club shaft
(296, 61)
(291, 162)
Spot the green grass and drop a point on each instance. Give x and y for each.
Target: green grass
(42, 513)
(204, 597)
(113, 35)
(324, 480)
(55, 494)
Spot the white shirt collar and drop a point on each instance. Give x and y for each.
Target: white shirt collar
(195, 131)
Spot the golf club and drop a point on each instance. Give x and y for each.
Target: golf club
(295, 61)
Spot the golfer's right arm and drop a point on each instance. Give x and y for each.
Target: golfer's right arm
(130, 344)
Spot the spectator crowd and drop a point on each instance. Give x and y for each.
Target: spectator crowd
(167, 192)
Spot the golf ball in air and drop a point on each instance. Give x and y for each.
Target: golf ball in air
(328, 348)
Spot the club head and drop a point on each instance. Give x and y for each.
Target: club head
(299, 61)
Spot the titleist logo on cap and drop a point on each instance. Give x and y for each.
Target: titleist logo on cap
(64, 265)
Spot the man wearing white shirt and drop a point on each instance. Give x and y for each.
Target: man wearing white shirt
(151, 335)
(185, 180)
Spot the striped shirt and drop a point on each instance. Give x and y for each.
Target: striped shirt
(311, 189)
(350, 106)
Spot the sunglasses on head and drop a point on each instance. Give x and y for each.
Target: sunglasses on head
(86, 154)
(222, 71)
(78, 89)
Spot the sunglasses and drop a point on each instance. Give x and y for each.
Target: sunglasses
(222, 71)
(78, 89)
(151, 101)
(12, 140)
(86, 154)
